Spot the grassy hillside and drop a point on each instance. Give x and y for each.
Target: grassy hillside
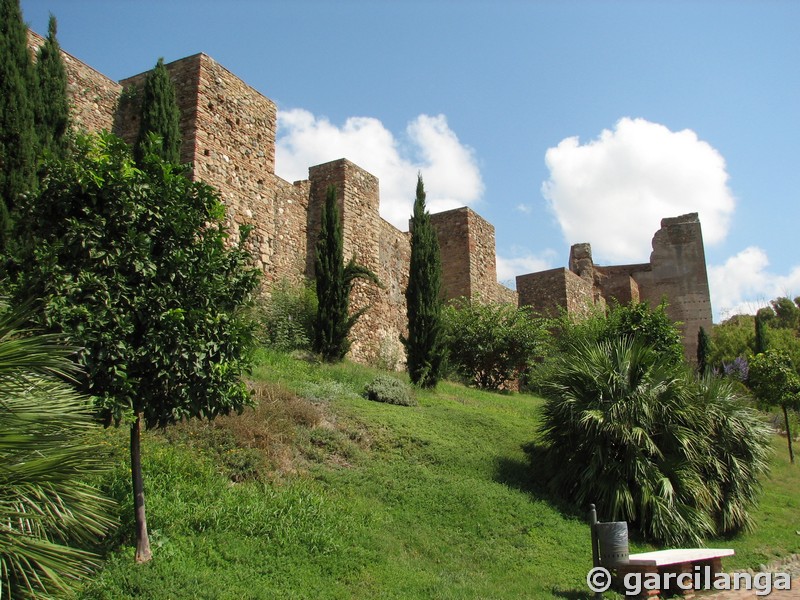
(320, 493)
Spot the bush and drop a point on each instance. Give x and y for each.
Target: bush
(390, 390)
(640, 436)
(491, 344)
(633, 321)
(287, 316)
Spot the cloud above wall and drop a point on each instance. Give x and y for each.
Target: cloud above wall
(613, 191)
(429, 146)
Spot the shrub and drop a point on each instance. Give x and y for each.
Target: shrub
(738, 369)
(491, 344)
(390, 390)
(633, 321)
(640, 436)
(287, 316)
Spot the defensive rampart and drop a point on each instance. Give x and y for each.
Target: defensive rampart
(228, 139)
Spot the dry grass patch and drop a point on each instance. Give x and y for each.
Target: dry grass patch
(283, 433)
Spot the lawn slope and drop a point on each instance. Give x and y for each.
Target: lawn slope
(369, 500)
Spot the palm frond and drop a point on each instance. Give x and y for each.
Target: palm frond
(48, 513)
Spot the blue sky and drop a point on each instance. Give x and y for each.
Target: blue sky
(559, 122)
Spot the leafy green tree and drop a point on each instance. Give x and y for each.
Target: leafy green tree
(52, 118)
(18, 140)
(160, 118)
(48, 512)
(491, 344)
(703, 351)
(627, 428)
(424, 345)
(135, 267)
(787, 314)
(334, 282)
(775, 382)
(733, 338)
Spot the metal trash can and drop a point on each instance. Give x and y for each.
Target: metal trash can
(612, 538)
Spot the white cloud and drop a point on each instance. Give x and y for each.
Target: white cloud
(521, 263)
(613, 191)
(525, 209)
(743, 284)
(448, 167)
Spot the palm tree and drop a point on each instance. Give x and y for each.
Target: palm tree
(48, 513)
(642, 438)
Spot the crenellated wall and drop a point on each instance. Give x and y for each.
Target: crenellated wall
(229, 132)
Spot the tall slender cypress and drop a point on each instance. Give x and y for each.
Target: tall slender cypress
(17, 131)
(52, 112)
(160, 116)
(703, 351)
(330, 335)
(334, 282)
(761, 331)
(424, 347)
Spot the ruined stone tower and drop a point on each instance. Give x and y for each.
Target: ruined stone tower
(676, 273)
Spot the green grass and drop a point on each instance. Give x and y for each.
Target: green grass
(439, 500)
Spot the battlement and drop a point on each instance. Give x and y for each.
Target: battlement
(228, 138)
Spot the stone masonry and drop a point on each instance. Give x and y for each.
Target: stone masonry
(676, 273)
(228, 140)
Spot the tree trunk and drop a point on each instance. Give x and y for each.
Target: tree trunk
(788, 434)
(143, 553)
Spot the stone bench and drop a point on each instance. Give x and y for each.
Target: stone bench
(700, 564)
(681, 570)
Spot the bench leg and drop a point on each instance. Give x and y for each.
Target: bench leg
(642, 573)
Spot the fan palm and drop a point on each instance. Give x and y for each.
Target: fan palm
(47, 512)
(633, 432)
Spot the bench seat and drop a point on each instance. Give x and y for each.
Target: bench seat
(675, 561)
(664, 558)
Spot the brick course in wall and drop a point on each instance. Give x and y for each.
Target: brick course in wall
(229, 131)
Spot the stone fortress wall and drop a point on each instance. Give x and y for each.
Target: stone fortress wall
(676, 271)
(229, 131)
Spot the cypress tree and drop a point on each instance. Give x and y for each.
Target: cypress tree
(703, 350)
(17, 130)
(424, 347)
(53, 110)
(160, 117)
(761, 331)
(334, 282)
